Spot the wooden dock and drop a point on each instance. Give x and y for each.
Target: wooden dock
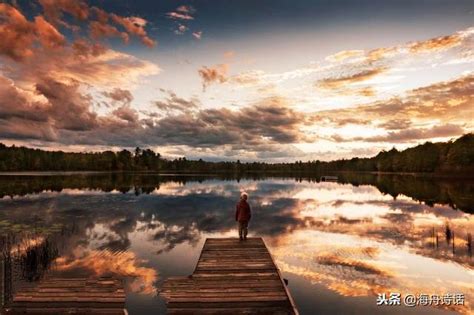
(70, 296)
(231, 277)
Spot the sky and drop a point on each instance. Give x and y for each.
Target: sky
(274, 81)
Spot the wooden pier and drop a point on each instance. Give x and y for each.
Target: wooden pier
(70, 296)
(231, 277)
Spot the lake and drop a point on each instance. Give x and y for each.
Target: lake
(339, 244)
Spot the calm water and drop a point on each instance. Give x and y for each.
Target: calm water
(339, 244)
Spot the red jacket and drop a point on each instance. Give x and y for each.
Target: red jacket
(242, 211)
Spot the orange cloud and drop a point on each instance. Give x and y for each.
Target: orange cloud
(134, 26)
(48, 35)
(99, 30)
(16, 33)
(430, 45)
(436, 44)
(217, 73)
(332, 83)
(20, 36)
(445, 101)
(84, 49)
(53, 9)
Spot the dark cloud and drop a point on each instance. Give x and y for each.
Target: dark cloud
(126, 113)
(17, 104)
(70, 109)
(21, 129)
(269, 121)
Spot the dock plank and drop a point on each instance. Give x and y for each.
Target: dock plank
(76, 295)
(230, 277)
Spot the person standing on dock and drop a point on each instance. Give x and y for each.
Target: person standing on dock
(242, 215)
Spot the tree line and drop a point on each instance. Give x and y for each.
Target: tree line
(442, 157)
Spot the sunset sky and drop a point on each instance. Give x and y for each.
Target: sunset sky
(226, 80)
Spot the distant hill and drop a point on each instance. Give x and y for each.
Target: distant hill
(453, 157)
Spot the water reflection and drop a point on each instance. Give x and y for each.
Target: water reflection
(356, 238)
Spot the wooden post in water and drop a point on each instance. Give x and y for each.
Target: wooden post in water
(453, 243)
(469, 244)
(437, 240)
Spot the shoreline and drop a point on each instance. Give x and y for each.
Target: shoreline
(236, 174)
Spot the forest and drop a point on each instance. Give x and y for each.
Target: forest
(452, 157)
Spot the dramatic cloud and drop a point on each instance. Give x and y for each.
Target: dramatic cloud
(70, 109)
(369, 74)
(65, 81)
(19, 35)
(18, 104)
(445, 101)
(104, 24)
(433, 45)
(254, 128)
(85, 62)
(269, 121)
